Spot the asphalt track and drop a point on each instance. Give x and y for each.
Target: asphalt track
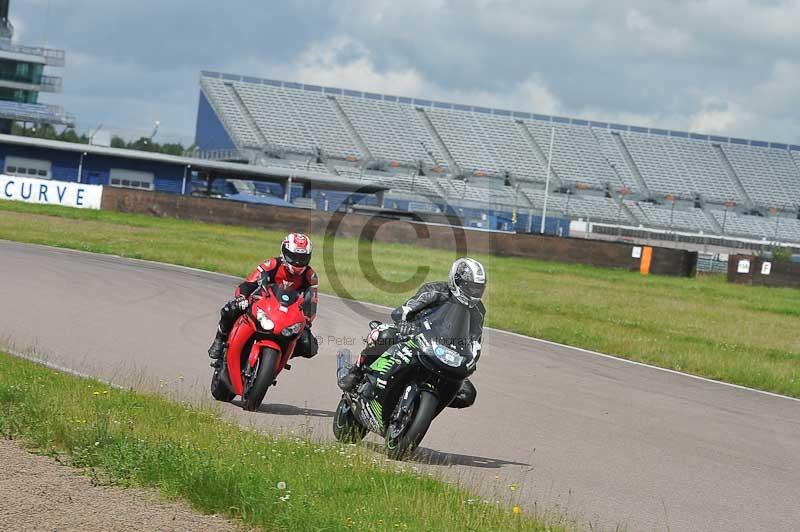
(611, 442)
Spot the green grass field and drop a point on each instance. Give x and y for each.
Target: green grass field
(739, 334)
(271, 482)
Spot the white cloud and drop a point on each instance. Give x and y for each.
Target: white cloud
(762, 111)
(752, 20)
(724, 66)
(531, 95)
(720, 116)
(781, 91)
(345, 62)
(19, 27)
(649, 36)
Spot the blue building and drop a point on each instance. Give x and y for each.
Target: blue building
(115, 167)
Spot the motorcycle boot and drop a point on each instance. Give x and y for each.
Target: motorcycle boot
(217, 348)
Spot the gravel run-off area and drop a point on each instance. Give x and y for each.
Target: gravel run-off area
(39, 493)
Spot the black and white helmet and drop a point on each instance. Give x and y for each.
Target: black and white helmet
(467, 281)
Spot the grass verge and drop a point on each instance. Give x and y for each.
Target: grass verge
(705, 326)
(272, 482)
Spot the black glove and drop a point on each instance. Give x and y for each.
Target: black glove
(405, 328)
(240, 303)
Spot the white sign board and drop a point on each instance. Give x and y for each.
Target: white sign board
(637, 252)
(766, 268)
(744, 266)
(50, 192)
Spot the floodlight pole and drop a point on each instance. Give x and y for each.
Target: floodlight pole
(672, 214)
(725, 219)
(547, 181)
(80, 167)
(183, 184)
(288, 191)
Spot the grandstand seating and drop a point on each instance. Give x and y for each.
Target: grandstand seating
(762, 174)
(464, 139)
(615, 159)
(575, 154)
(669, 218)
(384, 127)
(475, 155)
(698, 161)
(510, 148)
(745, 225)
(661, 172)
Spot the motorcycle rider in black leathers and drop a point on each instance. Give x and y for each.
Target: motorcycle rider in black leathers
(466, 284)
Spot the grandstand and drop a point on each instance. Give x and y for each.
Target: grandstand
(477, 160)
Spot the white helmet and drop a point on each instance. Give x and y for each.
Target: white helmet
(296, 252)
(467, 281)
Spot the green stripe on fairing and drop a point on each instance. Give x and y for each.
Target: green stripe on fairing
(377, 409)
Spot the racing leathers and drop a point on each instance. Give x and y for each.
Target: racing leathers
(408, 316)
(269, 272)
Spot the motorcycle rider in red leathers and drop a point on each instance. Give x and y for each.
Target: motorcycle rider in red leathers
(291, 268)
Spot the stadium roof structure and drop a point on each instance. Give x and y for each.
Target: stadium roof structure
(216, 168)
(434, 104)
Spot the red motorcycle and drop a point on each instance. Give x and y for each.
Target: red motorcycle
(259, 347)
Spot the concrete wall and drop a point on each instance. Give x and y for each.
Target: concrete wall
(783, 273)
(577, 251)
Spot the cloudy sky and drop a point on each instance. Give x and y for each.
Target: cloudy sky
(730, 67)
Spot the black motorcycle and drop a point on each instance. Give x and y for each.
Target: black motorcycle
(425, 372)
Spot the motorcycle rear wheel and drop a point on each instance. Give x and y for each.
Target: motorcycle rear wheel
(346, 428)
(406, 443)
(267, 369)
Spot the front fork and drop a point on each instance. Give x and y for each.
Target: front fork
(403, 412)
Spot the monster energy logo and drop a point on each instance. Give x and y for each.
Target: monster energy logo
(383, 364)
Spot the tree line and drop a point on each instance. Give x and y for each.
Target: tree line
(70, 135)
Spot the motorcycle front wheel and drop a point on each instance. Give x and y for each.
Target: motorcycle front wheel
(346, 428)
(403, 444)
(265, 376)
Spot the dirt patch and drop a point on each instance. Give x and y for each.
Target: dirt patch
(38, 493)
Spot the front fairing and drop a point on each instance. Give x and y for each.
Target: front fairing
(446, 369)
(283, 308)
(445, 344)
(249, 336)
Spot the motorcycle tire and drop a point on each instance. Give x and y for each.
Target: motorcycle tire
(346, 428)
(406, 443)
(267, 369)
(220, 389)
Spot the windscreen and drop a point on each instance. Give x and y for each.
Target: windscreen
(449, 325)
(286, 295)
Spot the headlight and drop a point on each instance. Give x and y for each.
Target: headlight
(446, 355)
(264, 321)
(292, 329)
